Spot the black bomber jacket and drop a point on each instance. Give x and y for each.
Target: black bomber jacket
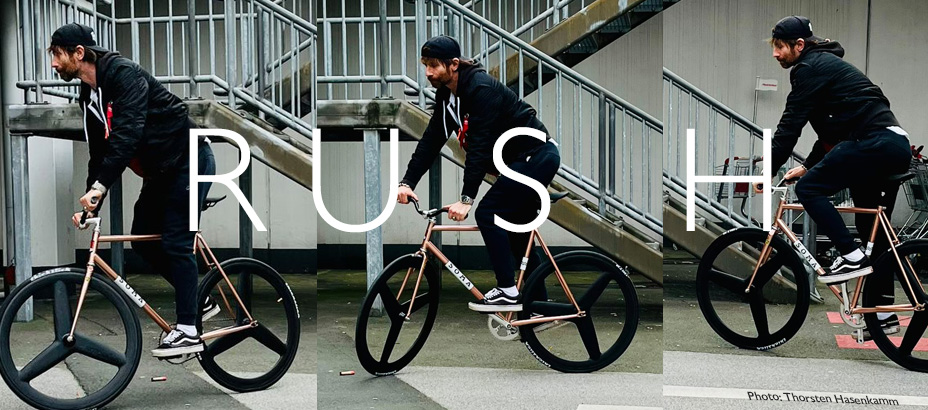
(491, 109)
(833, 96)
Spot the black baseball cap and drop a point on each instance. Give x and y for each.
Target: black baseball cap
(793, 27)
(442, 48)
(74, 34)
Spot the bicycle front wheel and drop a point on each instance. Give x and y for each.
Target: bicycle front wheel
(257, 357)
(602, 290)
(768, 313)
(907, 347)
(392, 325)
(85, 373)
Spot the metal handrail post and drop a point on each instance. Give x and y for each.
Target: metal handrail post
(384, 32)
(230, 49)
(420, 40)
(192, 48)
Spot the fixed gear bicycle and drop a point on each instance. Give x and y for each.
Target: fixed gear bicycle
(761, 269)
(250, 344)
(582, 334)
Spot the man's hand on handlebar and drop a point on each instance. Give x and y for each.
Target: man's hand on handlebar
(458, 211)
(76, 218)
(790, 178)
(91, 199)
(404, 194)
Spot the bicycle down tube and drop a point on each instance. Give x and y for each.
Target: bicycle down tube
(95, 261)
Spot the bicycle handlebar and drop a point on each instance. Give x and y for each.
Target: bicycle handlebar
(779, 184)
(430, 213)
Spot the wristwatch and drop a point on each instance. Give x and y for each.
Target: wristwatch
(466, 200)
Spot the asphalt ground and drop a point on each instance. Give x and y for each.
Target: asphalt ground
(704, 371)
(462, 365)
(187, 386)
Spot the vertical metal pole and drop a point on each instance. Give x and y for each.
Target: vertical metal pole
(602, 154)
(245, 232)
(372, 204)
(435, 196)
(22, 247)
(420, 40)
(230, 55)
(384, 50)
(262, 44)
(8, 76)
(193, 49)
(114, 197)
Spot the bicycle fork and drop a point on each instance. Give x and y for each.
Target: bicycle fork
(86, 284)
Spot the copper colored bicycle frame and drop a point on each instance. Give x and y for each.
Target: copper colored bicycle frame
(428, 247)
(95, 261)
(880, 220)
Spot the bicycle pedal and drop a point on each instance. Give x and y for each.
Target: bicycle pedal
(180, 359)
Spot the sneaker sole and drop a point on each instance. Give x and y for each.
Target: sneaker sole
(477, 307)
(179, 351)
(844, 277)
(888, 331)
(212, 312)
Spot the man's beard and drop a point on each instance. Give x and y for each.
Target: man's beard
(67, 75)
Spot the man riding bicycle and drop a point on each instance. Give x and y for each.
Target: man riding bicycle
(859, 145)
(475, 108)
(131, 120)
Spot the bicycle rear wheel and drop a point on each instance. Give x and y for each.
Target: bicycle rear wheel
(603, 290)
(777, 302)
(84, 374)
(388, 336)
(907, 348)
(257, 357)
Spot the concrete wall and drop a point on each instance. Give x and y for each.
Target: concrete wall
(719, 46)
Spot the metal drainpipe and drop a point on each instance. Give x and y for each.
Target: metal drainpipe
(16, 164)
(7, 96)
(372, 209)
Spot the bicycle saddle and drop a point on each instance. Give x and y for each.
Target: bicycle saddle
(211, 202)
(900, 178)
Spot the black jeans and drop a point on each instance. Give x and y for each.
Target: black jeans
(162, 208)
(516, 203)
(861, 166)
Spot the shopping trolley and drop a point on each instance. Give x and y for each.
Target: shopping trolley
(916, 194)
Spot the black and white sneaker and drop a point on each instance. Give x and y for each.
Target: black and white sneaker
(843, 270)
(496, 301)
(210, 309)
(889, 326)
(178, 343)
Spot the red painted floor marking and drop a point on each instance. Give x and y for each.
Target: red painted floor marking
(850, 342)
(835, 318)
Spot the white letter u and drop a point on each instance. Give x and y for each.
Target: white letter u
(317, 186)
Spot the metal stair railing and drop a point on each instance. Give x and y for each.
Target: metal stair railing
(604, 140)
(248, 47)
(688, 107)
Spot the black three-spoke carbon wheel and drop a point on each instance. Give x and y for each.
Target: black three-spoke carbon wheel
(773, 309)
(255, 358)
(388, 336)
(603, 290)
(85, 373)
(906, 348)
